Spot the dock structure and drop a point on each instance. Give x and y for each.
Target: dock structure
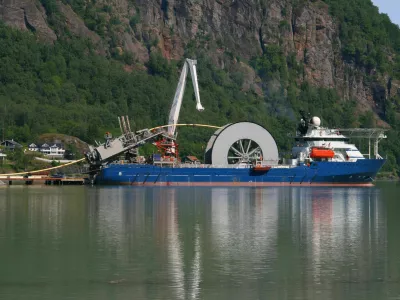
(65, 181)
(42, 180)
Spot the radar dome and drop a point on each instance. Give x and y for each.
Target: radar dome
(316, 121)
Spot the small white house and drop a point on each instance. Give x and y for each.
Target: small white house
(44, 148)
(57, 149)
(54, 150)
(2, 156)
(33, 147)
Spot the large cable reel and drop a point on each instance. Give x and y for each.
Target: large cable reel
(242, 142)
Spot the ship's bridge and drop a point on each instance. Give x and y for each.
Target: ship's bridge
(312, 134)
(323, 137)
(335, 139)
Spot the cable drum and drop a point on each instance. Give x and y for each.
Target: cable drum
(242, 142)
(210, 144)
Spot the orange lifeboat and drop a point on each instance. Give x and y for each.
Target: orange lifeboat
(319, 152)
(260, 168)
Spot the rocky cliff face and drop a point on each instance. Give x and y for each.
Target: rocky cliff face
(27, 15)
(240, 28)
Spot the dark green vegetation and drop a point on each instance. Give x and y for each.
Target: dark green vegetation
(367, 36)
(18, 161)
(68, 88)
(372, 42)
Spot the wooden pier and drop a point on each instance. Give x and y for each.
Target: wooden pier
(65, 181)
(42, 180)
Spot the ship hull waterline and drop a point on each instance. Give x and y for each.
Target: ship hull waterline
(359, 173)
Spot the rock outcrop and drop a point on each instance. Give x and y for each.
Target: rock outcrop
(76, 24)
(27, 15)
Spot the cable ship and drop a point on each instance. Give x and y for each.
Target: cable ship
(237, 154)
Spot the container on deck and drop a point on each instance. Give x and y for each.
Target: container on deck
(156, 157)
(290, 161)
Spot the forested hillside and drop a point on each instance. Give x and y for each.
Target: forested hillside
(69, 89)
(344, 68)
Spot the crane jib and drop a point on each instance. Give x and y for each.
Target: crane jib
(180, 90)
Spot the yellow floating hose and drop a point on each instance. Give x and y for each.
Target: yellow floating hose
(194, 125)
(82, 159)
(43, 170)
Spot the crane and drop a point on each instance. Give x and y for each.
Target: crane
(180, 90)
(168, 146)
(128, 142)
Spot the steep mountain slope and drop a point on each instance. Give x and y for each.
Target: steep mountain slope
(335, 58)
(223, 28)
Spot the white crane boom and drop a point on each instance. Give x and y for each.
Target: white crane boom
(180, 90)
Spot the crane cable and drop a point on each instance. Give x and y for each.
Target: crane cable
(82, 159)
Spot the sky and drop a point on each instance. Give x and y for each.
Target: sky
(389, 7)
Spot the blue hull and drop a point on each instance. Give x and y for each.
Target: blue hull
(361, 172)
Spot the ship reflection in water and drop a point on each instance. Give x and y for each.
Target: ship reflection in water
(192, 243)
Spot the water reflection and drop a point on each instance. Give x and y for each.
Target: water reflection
(190, 243)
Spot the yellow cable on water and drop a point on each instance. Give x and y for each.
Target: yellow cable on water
(195, 125)
(43, 170)
(82, 159)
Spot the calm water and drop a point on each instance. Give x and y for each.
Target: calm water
(199, 243)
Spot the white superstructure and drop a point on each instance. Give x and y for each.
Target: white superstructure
(311, 134)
